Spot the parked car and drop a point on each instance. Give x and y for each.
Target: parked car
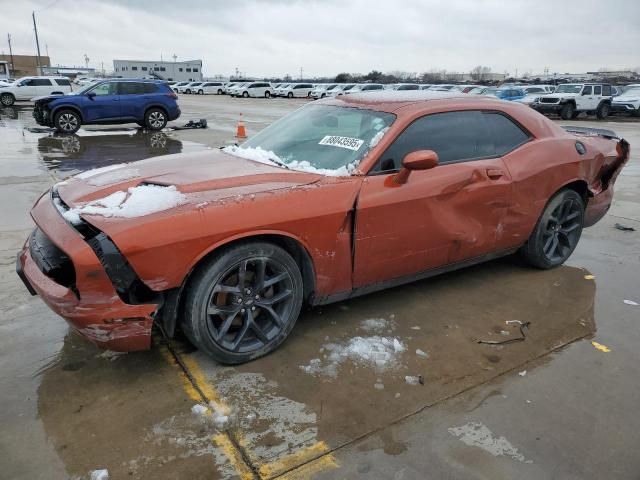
(365, 87)
(298, 90)
(320, 91)
(132, 243)
(628, 102)
(255, 89)
(233, 91)
(279, 91)
(406, 86)
(176, 87)
(442, 87)
(482, 91)
(341, 90)
(529, 99)
(208, 88)
(509, 93)
(26, 88)
(228, 87)
(425, 86)
(190, 87)
(463, 88)
(149, 103)
(538, 89)
(570, 99)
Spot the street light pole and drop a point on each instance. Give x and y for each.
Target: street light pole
(35, 28)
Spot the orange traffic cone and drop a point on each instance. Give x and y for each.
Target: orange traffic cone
(241, 132)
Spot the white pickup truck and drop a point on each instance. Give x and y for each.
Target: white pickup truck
(571, 99)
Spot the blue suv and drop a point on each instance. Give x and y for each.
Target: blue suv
(149, 103)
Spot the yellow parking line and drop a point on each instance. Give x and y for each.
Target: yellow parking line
(305, 456)
(308, 470)
(223, 442)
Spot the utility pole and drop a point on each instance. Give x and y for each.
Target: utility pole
(35, 28)
(301, 73)
(12, 69)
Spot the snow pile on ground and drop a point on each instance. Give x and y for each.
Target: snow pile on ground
(376, 325)
(102, 474)
(260, 155)
(218, 415)
(136, 202)
(378, 352)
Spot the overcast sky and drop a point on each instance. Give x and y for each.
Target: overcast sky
(326, 37)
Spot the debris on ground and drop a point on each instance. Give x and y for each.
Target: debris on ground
(422, 353)
(414, 379)
(589, 277)
(523, 328)
(111, 355)
(631, 302)
(218, 415)
(101, 474)
(624, 228)
(375, 325)
(522, 373)
(415, 327)
(601, 347)
(202, 123)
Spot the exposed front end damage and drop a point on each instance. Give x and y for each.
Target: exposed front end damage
(77, 282)
(41, 111)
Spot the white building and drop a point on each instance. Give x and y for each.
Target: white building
(190, 70)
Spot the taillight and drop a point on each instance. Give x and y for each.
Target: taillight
(172, 95)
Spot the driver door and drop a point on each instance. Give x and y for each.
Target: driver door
(440, 216)
(102, 103)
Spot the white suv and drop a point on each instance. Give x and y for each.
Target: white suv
(298, 90)
(570, 99)
(255, 89)
(628, 102)
(26, 88)
(320, 91)
(208, 88)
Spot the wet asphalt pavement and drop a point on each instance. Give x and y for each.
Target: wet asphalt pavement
(551, 406)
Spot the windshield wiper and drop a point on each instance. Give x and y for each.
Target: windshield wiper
(280, 163)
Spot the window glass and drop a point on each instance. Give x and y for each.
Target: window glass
(505, 133)
(188, 70)
(162, 69)
(180, 69)
(134, 68)
(63, 81)
(39, 82)
(586, 90)
(131, 88)
(149, 87)
(454, 136)
(195, 69)
(606, 90)
(144, 69)
(104, 89)
(597, 90)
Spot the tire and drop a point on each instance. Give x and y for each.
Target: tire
(603, 111)
(636, 113)
(323, 95)
(7, 99)
(235, 320)
(267, 94)
(67, 121)
(575, 115)
(245, 94)
(567, 110)
(290, 95)
(557, 232)
(200, 92)
(155, 119)
(187, 90)
(220, 92)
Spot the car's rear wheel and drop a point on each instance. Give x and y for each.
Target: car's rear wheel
(220, 92)
(155, 119)
(67, 121)
(557, 232)
(575, 115)
(7, 99)
(567, 111)
(187, 90)
(267, 94)
(243, 303)
(245, 94)
(636, 112)
(603, 111)
(200, 92)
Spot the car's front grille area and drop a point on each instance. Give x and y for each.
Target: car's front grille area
(549, 100)
(51, 261)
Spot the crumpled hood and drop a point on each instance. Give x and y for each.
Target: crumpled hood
(47, 98)
(205, 176)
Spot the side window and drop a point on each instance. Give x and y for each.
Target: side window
(149, 87)
(131, 88)
(454, 136)
(104, 89)
(40, 82)
(505, 133)
(597, 90)
(63, 82)
(606, 90)
(587, 90)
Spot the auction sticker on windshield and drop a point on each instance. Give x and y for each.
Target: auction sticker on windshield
(342, 142)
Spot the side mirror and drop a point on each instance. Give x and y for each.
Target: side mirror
(584, 92)
(90, 95)
(419, 160)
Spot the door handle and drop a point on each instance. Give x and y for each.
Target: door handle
(494, 173)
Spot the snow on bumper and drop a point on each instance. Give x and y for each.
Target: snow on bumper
(91, 306)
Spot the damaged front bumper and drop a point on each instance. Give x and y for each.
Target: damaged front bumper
(76, 286)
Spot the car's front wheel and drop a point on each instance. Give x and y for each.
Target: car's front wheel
(67, 121)
(603, 111)
(200, 92)
(290, 95)
(245, 94)
(155, 119)
(243, 302)
(267, 94)
(7, 99)
(557, 232)
(220, 92)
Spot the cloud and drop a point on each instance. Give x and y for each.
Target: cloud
(324, 37)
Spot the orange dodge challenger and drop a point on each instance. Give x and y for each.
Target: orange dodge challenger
(340, 198)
